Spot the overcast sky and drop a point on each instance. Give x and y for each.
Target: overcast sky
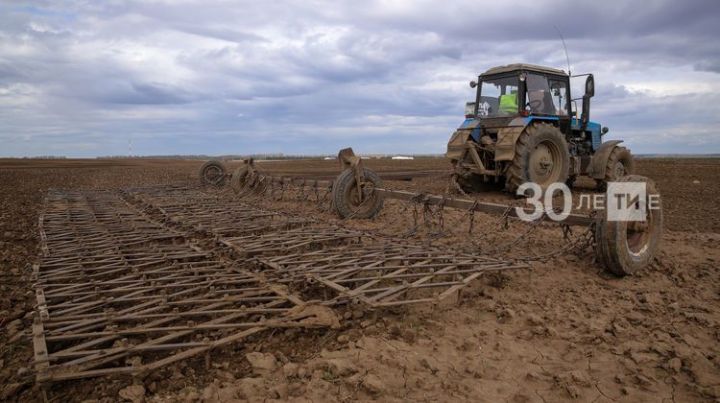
(84, 78)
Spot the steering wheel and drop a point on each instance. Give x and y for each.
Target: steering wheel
(534, 104)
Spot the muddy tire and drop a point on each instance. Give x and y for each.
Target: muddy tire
(345, 195)
(541, 156)
(625, 247)
(238, 179)
(467, 184)
(620, 163)
(212, 173)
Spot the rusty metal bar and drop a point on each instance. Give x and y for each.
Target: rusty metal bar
(470, 205)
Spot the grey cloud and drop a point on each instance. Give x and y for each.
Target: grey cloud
(205, 77)
(224, 33)
(711, 66)
(142, 94)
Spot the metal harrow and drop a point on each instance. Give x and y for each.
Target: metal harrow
(118, 293)
(380, 274)
(356, 266)
(622, 246)
(216, 214)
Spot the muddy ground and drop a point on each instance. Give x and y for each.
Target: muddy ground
(564, 330)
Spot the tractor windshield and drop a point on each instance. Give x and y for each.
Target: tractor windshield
(498, 97)
(545, 96)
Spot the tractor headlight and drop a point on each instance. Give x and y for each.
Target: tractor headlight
(469, 109)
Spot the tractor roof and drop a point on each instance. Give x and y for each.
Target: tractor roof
(523, 66)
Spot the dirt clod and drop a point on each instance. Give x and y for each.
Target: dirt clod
(675, 364)
(535, 320)
(261, 363)
(290, 370)
(372, 384)
(133, 393)
(505, 315)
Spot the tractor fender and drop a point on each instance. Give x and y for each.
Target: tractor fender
(456, 145)
(596, 168)
(506, 139)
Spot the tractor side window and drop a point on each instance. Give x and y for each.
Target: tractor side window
(498, 97)
(538, 98)
(559, 96)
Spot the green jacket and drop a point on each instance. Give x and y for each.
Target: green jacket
(508, 104)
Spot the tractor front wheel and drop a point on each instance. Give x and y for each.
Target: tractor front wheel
(541, 156)
(620, 163)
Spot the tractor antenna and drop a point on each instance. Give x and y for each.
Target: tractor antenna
(567, 58)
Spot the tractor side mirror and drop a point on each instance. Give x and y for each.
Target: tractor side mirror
(585, 115)
(590, 86)
(473, 84)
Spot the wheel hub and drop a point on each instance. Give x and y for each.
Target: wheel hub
(213, 174)
(357, 199)
(619, 170)
(638, 234)
(542, 164)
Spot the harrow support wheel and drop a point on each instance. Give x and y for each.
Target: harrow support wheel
(347, 199)
(624, 247)
(212, 173)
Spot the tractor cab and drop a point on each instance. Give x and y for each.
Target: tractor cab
(522, 90)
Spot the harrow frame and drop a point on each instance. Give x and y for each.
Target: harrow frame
(611, 239)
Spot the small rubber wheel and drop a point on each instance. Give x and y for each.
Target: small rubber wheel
(624, 247)
(212, 173)
(346, 199)
(238, 179)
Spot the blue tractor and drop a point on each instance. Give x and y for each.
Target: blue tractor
(522, 127)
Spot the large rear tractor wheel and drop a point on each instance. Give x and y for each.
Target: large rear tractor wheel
(351, 202)
(541, 156)
(624, 247)
(620, 163)
(212, 173)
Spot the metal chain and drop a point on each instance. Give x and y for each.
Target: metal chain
(581, 243)
(505, 247)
